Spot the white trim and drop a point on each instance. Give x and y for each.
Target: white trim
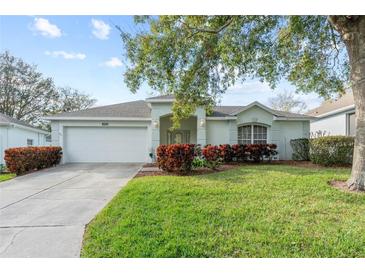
(25, 127)
(336, 111)
(348, 122)
(97, 119)
(160, 100)
(220, 118)
(280, 118)
(252, 126)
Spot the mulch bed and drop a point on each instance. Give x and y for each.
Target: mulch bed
(342, 185)
(202, 171)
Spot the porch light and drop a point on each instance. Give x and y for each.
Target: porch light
(202, 122)
(155, 123)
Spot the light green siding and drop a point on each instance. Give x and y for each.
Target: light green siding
(218, 132)
(255, 115)
(284, 131)
(159, 110)
(186, 124)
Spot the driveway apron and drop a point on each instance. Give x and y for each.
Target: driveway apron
(44, 214)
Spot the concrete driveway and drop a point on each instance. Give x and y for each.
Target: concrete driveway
(44, 214)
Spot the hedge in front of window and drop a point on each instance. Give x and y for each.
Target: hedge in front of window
(24, 159)
(247, 152)
(213, 155)
(332, 150)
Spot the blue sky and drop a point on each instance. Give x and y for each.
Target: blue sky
(86, 53)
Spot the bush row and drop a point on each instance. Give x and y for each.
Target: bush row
(183, 157)
(332, 150)
(326, 150)
(24, 159)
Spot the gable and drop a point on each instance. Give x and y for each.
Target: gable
(255, 114)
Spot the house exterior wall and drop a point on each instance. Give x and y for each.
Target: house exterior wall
(186, 124)
(203, 130)
(159, 110)
(218, 132)
(256, 116)
(284, 131)
(278, 132)
(12, 136)
(336, 124)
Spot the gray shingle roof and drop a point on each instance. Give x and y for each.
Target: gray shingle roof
(224, 111)
(138, 109)
(290, 114)
(141, 109)
(168, 96)
(10, 120)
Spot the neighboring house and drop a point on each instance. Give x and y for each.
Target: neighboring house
(334, 117)
(129, 132)
(15, 133)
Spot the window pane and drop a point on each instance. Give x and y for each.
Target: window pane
(259, 134)
(244, 135)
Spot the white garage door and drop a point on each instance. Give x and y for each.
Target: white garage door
(112, 144)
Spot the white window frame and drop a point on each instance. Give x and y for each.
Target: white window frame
(252, 139)
(348, 122)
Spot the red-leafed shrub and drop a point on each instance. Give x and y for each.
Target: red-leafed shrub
(253, 152)
(257, 152)
(226, 152)
(212, 155)
(239, 152)
(176, 157)
(23, 159)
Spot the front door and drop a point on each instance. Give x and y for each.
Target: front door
(178, 137)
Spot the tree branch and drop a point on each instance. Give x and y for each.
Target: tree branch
(211, 31)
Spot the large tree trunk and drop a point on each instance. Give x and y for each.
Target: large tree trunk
(352, 30)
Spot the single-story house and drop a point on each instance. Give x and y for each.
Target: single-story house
(15, 133)
(131, 131)
(334, 117)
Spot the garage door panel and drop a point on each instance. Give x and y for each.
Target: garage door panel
(93, 144)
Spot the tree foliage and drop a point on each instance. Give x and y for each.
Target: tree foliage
(198, 58)
(286, 101)
(28, 95)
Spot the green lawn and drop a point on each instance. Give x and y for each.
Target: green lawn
(4, 177)
(251, 211)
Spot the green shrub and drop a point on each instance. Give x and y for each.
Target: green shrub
(300, 149)
(332, 150)
(198, 162)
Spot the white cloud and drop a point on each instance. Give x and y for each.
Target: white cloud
(66, 55)
(101, 30)
(45, 28)
(113, 62)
